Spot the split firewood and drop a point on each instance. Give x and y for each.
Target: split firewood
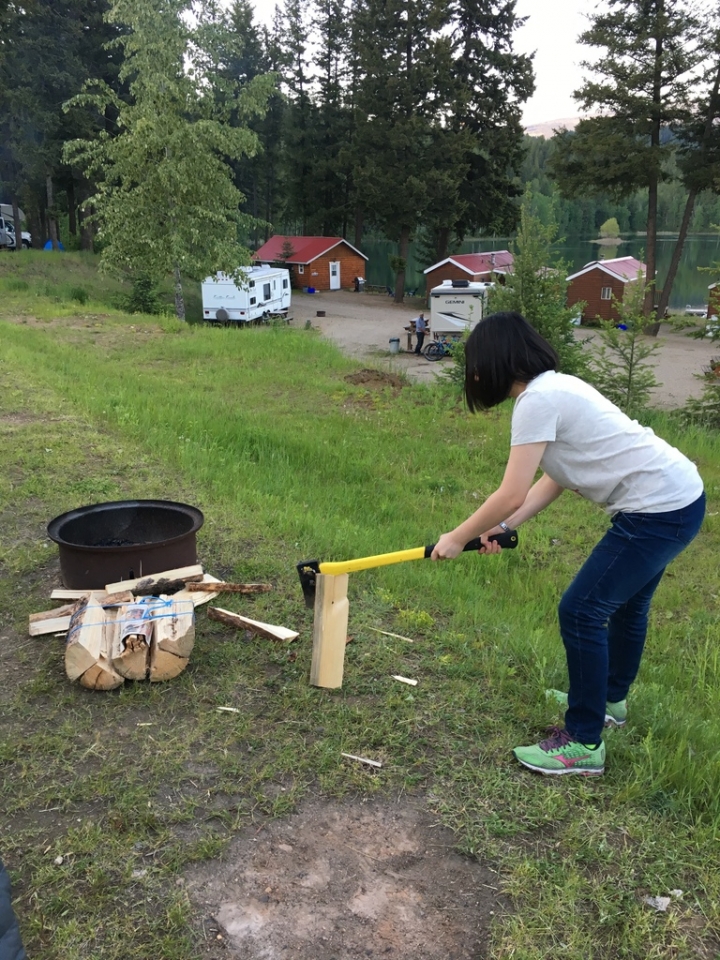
(183, 574)
(223, 587)
(115, 599)
(268, 630)
(86, 638)
(174, 627)
(101, 676)
(130, 643)
(52, 621)
(196, 597)
(165, 665)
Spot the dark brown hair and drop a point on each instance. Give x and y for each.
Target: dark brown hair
(502, 349)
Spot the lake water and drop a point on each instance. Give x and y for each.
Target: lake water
(690, 287)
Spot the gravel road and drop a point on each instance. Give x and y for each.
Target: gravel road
(362, 325)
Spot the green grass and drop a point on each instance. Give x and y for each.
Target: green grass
(288, 461)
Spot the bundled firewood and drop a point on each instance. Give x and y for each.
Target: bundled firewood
(150, 638)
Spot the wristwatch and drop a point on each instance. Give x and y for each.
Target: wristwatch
(503, 526)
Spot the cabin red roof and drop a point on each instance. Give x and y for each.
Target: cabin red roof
(304, 249)
(622, 268)
(494, 261)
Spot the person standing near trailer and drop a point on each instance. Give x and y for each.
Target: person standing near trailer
(652, 493)
(420, 331)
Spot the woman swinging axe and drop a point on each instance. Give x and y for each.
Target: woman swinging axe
(652, 493)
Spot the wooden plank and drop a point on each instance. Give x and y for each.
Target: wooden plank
(329, 630)
(67, 610)
(63, 594)
(412, 683)
(181, 573)
(43, 627)
(268, 630)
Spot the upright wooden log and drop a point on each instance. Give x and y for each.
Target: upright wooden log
(329, 631)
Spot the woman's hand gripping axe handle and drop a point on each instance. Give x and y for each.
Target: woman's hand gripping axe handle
(309, 569)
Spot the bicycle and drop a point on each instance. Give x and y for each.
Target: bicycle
(440, 347)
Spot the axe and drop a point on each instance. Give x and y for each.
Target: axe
(308, 569)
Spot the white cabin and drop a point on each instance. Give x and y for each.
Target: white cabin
(457, 305)
(264, 293)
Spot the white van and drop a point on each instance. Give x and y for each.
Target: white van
(264, 293)
(457, 305)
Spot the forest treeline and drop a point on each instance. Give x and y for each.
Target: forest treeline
(182, 133)
(583, 216)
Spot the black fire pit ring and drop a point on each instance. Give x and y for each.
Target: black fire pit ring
(124, 539)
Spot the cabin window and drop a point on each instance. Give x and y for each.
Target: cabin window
(606, 293)
(253, 301)
(301, 268)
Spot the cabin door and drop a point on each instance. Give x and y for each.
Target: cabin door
(334, 274)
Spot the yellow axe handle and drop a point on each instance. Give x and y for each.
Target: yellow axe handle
(335, 569)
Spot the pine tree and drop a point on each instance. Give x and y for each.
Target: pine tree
(644, 83)
(166, 201)
(537, 287)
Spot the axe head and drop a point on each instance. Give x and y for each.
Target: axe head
(308, 570)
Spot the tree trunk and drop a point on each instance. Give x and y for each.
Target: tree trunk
(442, 244)
(689, 204)
(403, 246)
(657, 105)
(179, 298)
(72, 218)
(87, 234)
(16, 221)
(52, 223)
(359, 224)
(677, 254)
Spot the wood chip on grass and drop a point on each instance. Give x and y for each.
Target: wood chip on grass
(370, 763)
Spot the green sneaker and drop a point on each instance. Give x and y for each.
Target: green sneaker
(560, 754)
(615, 713)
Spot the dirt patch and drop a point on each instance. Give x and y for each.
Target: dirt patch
(334, 881)
(376, 380)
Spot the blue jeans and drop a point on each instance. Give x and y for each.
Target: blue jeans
(604, 612)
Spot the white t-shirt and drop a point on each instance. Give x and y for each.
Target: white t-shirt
(596, 450)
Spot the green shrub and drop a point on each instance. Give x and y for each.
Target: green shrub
(14, 283)
(79, 294)
(143, 297)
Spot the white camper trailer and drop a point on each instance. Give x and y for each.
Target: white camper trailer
(264, 293)
(456, 306)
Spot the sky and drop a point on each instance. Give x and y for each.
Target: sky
(551, 33)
